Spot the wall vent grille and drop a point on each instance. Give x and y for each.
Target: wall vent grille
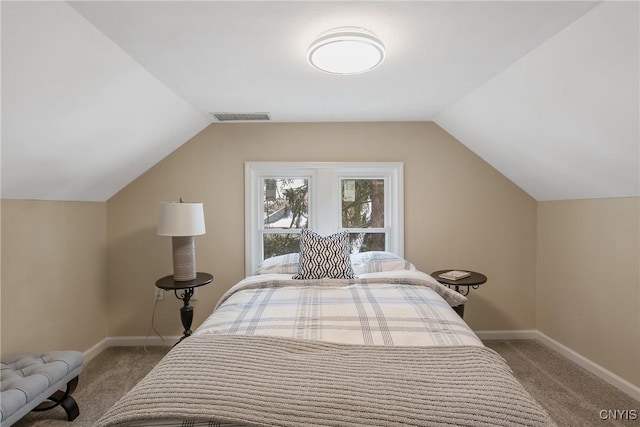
(241, 117)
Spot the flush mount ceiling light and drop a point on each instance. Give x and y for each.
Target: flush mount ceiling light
(346, 50)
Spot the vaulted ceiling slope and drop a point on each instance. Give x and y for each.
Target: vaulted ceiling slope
(562, 122)
(95, 93)
(81, 119)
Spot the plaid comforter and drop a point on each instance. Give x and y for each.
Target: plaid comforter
(397, 308)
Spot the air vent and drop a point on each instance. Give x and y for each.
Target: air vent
(241, 117)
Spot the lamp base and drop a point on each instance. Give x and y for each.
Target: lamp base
(184, 258)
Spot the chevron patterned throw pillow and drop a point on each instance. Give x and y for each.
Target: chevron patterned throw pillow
(322, 257)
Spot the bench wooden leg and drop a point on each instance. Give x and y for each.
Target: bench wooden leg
(71, 408)
(64, 399)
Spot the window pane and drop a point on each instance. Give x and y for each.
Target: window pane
(286, 203)
(365, 242)
(363, 203)
(280, 244)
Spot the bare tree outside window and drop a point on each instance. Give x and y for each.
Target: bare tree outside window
(363, 207)
(363, 198)
(286, 207)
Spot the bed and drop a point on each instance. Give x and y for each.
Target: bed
(380, 348)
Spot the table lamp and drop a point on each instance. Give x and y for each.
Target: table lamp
(182, 221)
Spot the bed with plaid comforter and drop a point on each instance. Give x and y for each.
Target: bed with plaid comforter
(384, 349)
(407, 308)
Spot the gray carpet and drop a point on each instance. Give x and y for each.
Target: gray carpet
(572, 396)
(104, 380)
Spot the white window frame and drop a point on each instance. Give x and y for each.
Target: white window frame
(324, 200)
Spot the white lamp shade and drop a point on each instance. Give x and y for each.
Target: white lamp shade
(181, 219)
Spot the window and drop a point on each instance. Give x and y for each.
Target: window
(285, 204)
(362, 213)
(283, 198)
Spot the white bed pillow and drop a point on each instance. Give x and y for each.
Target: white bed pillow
(322, 257)
(280, 264)
(378, 261)
(363, 262)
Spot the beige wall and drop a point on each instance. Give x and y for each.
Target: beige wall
(588, 289)
(53, 275)
(73, 273)
(459, 213)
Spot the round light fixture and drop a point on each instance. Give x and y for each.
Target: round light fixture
(346, 50)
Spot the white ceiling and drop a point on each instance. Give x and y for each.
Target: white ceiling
(562, 122)
(94, 93)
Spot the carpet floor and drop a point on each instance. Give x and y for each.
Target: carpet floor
(571, 395)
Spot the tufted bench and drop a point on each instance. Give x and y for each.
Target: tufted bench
(35, 382)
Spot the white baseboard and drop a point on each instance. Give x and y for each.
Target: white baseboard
(143, 341)
(96, 350)
(597, 370)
